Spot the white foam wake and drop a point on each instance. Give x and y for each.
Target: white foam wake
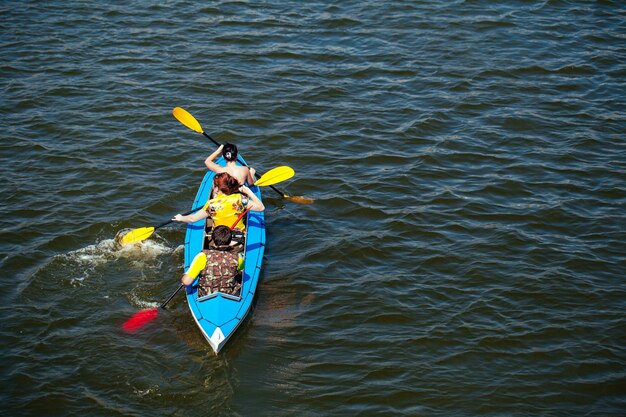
(85, 261)
(109, 249)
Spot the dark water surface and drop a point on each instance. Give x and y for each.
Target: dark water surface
(465, 254)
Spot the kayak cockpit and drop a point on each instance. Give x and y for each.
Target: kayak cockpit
(231, 287)
(218, 316)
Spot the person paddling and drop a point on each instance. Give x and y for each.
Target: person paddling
(243, 174)
(221, 271)
(227, 204)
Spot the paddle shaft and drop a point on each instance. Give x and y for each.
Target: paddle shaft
(172, 296)
(184, 214)
(244, 164)
(239, 218)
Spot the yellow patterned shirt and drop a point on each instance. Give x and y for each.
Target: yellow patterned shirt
(224, 209)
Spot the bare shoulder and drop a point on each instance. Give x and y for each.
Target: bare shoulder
(239, 170)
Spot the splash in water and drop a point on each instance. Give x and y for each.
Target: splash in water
(110, 249)
(87, 260)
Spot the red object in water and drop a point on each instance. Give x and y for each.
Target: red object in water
(140, 319)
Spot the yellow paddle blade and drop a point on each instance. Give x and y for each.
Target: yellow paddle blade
(299, 199)
(187, 119)
(275, 175)
(137, 235)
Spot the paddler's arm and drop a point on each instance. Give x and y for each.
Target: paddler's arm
(254, 204)
(250, 177)
(197, 265)
(212, 165)
(191, 218)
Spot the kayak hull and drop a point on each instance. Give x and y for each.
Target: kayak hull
(218, 317)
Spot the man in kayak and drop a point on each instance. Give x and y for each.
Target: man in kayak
(221, 273)
(227, 204)
(243, 174)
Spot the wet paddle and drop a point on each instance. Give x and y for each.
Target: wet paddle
(142, 318)
(143, 233)
(273, 176)
(190, 122)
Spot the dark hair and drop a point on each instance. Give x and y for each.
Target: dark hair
(229, 152)
(226, 183)
(221, 235)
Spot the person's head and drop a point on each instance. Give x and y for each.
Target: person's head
(226, 183)
(229, 152)
(221, 236)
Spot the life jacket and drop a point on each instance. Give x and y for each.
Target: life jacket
(224, 209)
(220, 274)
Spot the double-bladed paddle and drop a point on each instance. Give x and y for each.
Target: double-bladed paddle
(140, 319)
(189, 121)
(273, 176)
(143, 233)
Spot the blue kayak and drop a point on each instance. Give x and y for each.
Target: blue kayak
(219, 315)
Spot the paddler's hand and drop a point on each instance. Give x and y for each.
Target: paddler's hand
(245, 190)
(254, 204)
(252, 172)
(178, 218)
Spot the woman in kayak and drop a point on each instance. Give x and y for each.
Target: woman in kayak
(227, 203)
(243, 174)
